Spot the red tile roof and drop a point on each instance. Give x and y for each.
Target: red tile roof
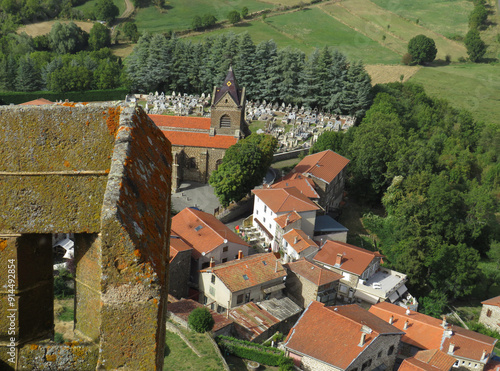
(37, 102)
(177, 245)
(303, 184)
(190, 139)
(287, 219)
(354, 259)
(436, 358)
(254, 319)
(202, 231)
(412, 364)
(324, 165)
(303, 240)
(248, 272)
(282, 200)
(493, 365)
(312, 272)
(493, 301)
(184, 307)
(426, 332)
(332, 334)
(186, 122)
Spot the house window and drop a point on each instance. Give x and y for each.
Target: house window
(488, 313)
(265, 209)
(247, 297)
(264, 219)
(205, 265)
(211, 290)
(224, 260)
(257, 212)
(239, 299)
(224, 249)
(456, 364)
(379, 354)
(366, 364)
(270, 225)
(213, 278)
(220, 309)
(391, 350)
(225, 121)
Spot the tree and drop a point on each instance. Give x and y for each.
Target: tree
(243, 167)
(422, 49)
(28, 76)
(201, 320)
(208, 20)
(234, 16)
(130, 30)
(475, 46)
(197, 23)
(67, 38)
(478, 16)
(99, 37)
(328, 140)
(106, 10)
(244, 12)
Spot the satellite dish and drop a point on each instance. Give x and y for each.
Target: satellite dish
(225, 241)
(203, 253)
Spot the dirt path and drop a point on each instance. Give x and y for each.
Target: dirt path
(127, 12)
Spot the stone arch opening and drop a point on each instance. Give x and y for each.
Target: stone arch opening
(225, 121)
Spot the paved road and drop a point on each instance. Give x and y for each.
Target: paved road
(195, 194)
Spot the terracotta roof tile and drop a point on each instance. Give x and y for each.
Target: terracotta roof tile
(493, 364)
(185, 122)
(254, 319)
(248, 272)
(332, 334)
(324, 165)
(287, 219)
(493, 301)
(303, 241)
(202, 231)
(184, 307)
(177, 245)
(312, 272)
(354, 259)
(303, 184)
(282, 200)
(37, 102)
(412, 364)
(436, 358)
(182, 138)
(426, 332)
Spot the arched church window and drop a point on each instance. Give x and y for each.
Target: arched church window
(225, 121)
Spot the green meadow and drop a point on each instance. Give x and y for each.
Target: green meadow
(89, 6)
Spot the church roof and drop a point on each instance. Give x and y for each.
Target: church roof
(166, 122)
(190, 139)
(229, 86)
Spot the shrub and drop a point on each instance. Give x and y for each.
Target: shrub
(407, 59)
(244, 12)
(252, 351)
(201, 320)
(234, 16)
(286, 364)
(447, 58)
(61, 288)
(58, 338)
(475, 46)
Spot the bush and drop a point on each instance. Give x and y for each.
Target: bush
(234, 16)
(422, 49)
(475, 46)
(407, 59)
(61, 288)
(286, 364)
(482, 329)
(201, 320)
(244, 12)
(58, 338)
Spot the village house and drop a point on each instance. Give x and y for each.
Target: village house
(342, 338)
(471, 350)
(363, 277)
(490, 313)
(179, 267)
(209, 239)
(428, 360)
(307, 281)
(271, 204)
(327, 170)
(199, 143)
(302, 183)
(296, 245)
(249, 279)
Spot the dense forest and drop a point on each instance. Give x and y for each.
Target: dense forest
(436, 171)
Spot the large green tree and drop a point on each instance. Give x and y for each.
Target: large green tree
(106, 10)
(476, 48)
(67, 38)
(422, 49)
(243, 167)
(99, 37)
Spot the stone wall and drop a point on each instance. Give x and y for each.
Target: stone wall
(179, 274)
(490, 317)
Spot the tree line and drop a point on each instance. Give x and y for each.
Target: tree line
(325, 79)
(436, 171)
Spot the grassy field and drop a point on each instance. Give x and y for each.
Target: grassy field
(430, 14)
(475, 87)
(89, 6)
(181, 13)
(179, 357)
(381, 74)
(42, 28)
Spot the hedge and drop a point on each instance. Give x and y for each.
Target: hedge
(255, 352)
(72, 96)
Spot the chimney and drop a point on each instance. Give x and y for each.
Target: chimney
(295, 240)
(407, 312)
(212, 263)
(240, 254)
(451, 348)
(444, 324)
(362, 340)
(405, 325)
(339, 259)
(483, 356)
(276, 266)
(391, 320)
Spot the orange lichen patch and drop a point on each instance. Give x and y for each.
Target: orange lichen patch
(137, 253)
(3, 244)
(106, 171)
(66, 163)
(87, 123)
(113, 119)
(68, 104)
(33, 346)
(50, 357)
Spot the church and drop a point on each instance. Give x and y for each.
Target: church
(199, 143)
